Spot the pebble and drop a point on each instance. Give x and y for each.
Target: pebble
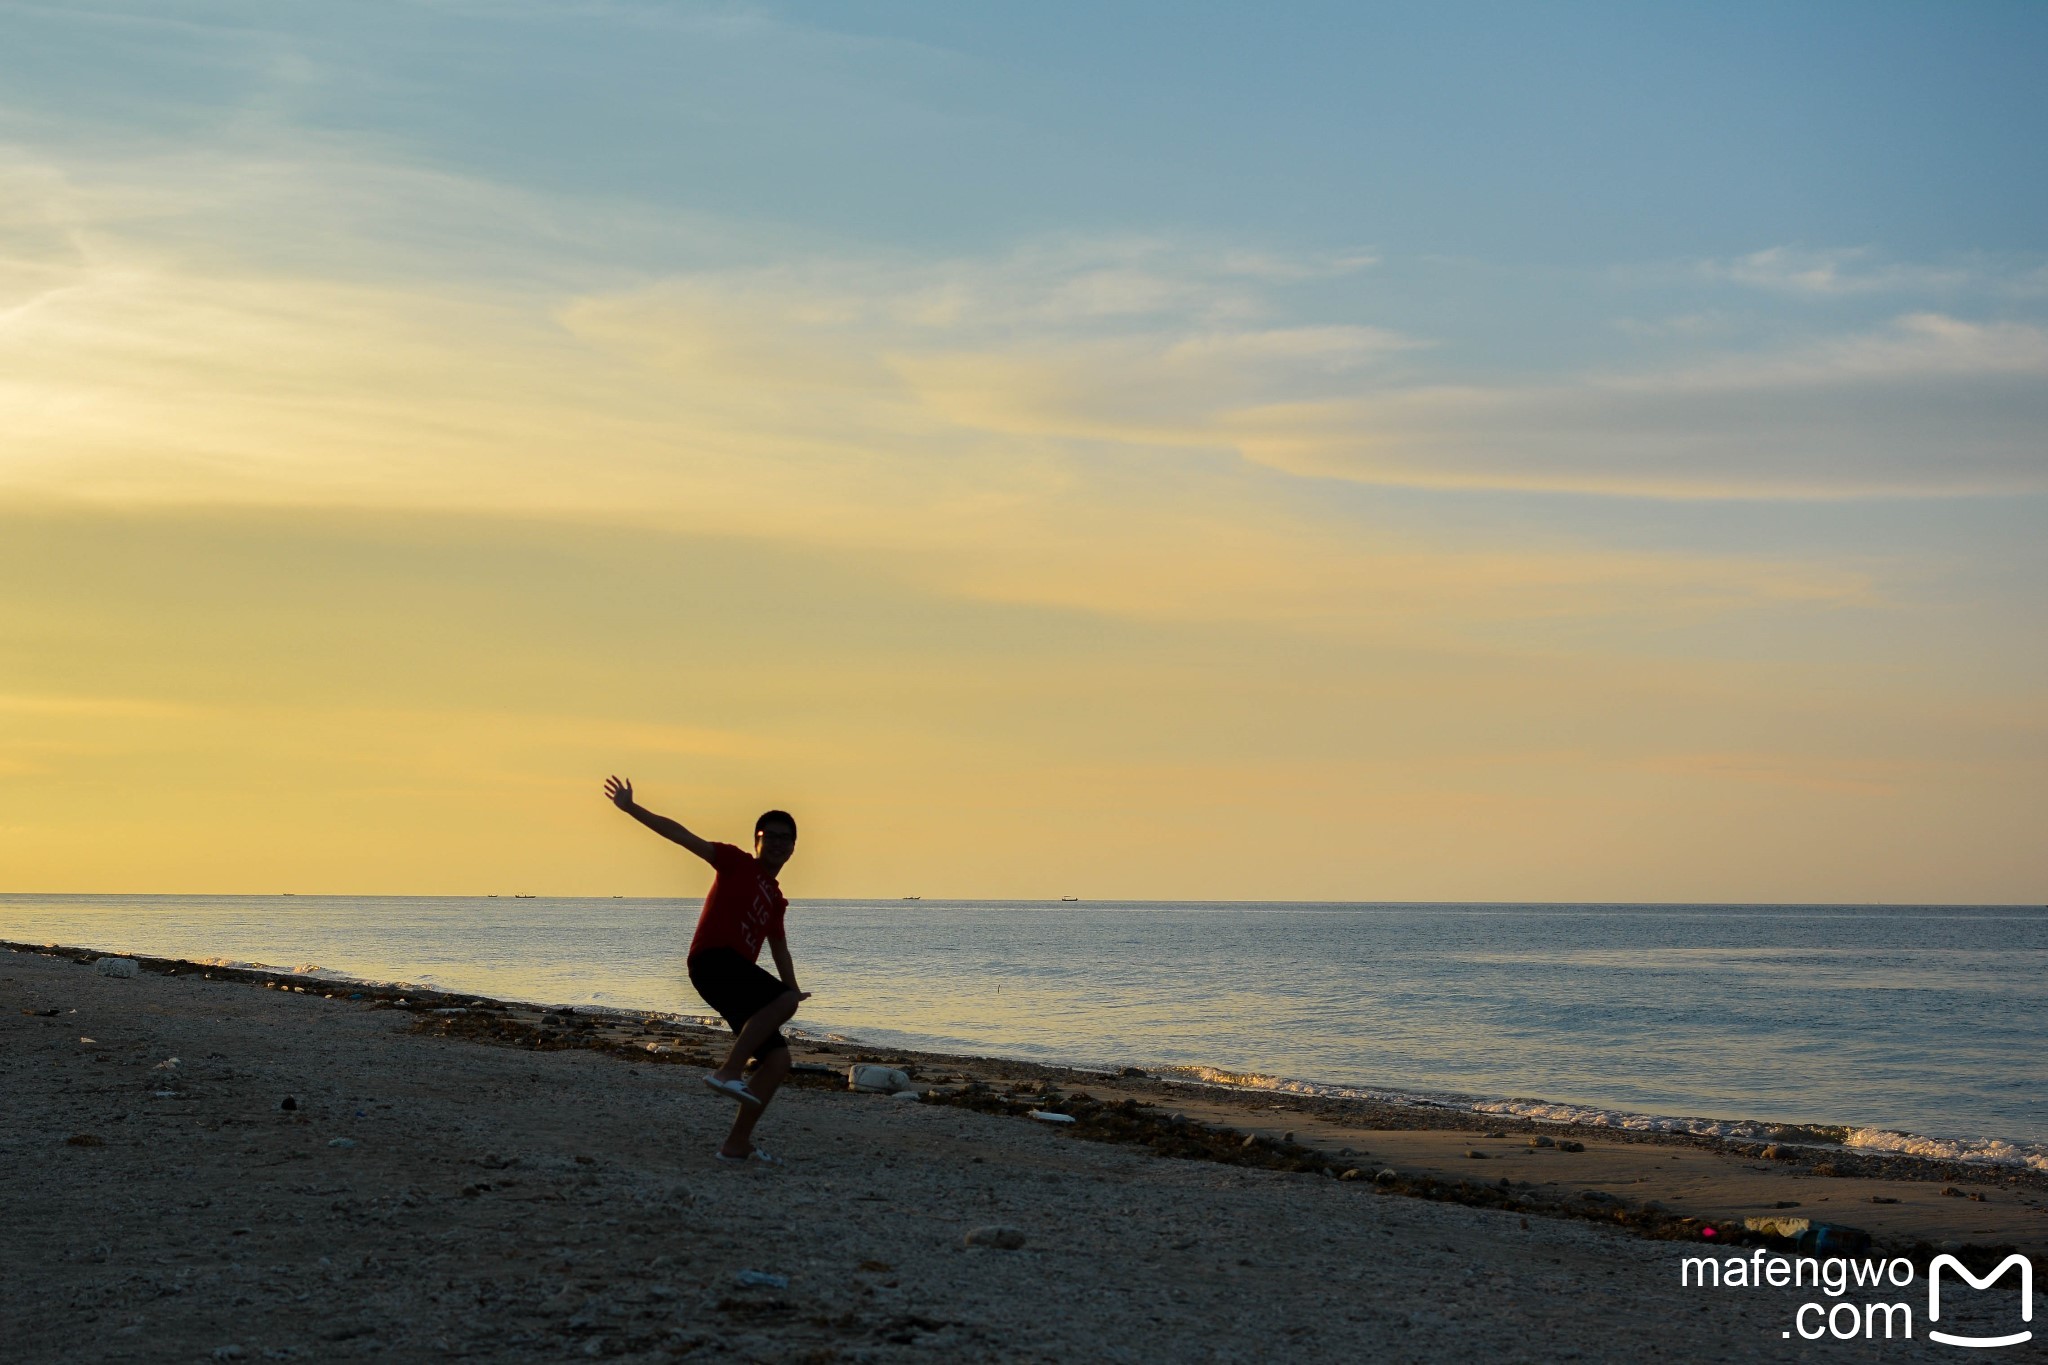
(1251, 1141)
(1540, 1141)
(1003, 1238)
(288, 1103)
(119, 966)
(1353, 1174)
(1475, 1154)
(761, 1279)
(1387, 1176)
(1570, 1146)
(341, 1142)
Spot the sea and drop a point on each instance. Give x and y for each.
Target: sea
(1917, 1029)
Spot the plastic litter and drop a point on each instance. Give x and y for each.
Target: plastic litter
(1045, 1116)
(1814, 1239)
(876, 1079)
(761, 1279)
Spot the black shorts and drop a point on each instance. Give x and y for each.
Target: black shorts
(738, 990)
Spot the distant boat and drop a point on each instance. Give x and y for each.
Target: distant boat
(521, 896)
(1070, 898)
(913, 898)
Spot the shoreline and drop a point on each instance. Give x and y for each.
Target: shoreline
(1323, 1130)
(1887, 1149)
(235, 1163)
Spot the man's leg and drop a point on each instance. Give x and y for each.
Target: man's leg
(767, 1078)
(765, 1021)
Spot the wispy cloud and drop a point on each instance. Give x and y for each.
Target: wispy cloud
(1837, 271)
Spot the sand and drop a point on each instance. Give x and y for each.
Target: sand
(434, 1197)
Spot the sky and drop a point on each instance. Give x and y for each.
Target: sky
(1177, 451)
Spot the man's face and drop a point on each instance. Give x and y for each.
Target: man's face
(773, 844)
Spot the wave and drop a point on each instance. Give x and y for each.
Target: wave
(2032, 1156)
(1969, 1151)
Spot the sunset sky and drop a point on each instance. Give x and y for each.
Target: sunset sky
(1163, 450)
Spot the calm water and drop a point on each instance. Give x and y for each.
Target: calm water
(1928, 1020)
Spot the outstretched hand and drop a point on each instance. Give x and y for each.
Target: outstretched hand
(619, 792)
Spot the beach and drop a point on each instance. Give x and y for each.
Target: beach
(246, 1167)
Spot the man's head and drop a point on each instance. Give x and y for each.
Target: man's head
(774, 839)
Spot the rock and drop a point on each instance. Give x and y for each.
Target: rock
(84, 1140)
(1775, 1153)
(1540, 1141)
(230, 1352)
(1493, 1135)
(341, 1142)
(907, 1095)
(1951, 1192)
(167, 1064)
(1251, 1141)
(761, 1279)
(1882, 1199)
(1134, 1071)
(1002, 1238)
(122, 967)
(1287, 1137)
(1569, 1146)
(1353, 1174)
(1474, 1154)
(1386, 1176)
(876, 1079)
(288, 1103)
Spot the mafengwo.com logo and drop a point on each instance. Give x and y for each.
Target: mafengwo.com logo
(1846, 1318)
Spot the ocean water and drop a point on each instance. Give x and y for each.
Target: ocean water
(1917, 1028)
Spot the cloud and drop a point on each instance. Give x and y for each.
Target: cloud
(1931, 405)
(1835, 272)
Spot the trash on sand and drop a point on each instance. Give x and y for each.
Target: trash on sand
(119, 966)
(869, 1076)
(1044, 1116)
(341, 1142)
(761, 1279)
(1811, 1237)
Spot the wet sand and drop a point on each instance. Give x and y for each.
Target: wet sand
(504, 1184)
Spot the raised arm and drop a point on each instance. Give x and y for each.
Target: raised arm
(620, 793)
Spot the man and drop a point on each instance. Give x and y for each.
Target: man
(743, 910)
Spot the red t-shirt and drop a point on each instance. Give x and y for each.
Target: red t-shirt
(744, 907)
